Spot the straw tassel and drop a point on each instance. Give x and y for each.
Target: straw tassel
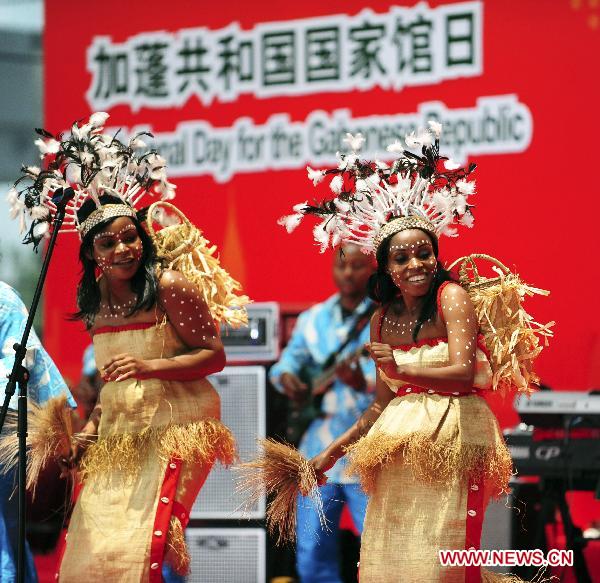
(282, 473)
(491, 577)
(49, 435)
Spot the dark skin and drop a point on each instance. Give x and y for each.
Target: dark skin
(117, 251)
(411, 264)
(351, 270)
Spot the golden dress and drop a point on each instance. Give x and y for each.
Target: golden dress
(157, 441)
(430, 464)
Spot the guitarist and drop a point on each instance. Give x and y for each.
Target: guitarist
(326, 335)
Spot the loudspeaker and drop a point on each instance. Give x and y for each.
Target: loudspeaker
(243, 409)
(227, 555)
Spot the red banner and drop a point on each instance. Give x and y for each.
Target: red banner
(241, 98)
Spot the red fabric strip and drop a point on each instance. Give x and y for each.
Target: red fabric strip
(181, 513)
(164, 510)
(474, 522)
(113, 329)
(403, 391)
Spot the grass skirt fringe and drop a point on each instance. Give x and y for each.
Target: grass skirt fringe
(430, 461)
(491, 577)
(177, 553)
(198, 442)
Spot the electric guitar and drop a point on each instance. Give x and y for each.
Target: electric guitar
(319, 380)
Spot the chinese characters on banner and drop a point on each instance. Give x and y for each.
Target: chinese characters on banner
(403, 47)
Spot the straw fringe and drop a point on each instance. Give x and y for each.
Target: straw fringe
(198, 442)
(491, 577)
(430, 461)
(177, 554)
(282, 473)
(49, 435)
(183, 248)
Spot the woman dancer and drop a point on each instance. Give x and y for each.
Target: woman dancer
(429, 450)
(155, 433)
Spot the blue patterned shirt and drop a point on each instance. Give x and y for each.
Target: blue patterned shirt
(320, 331)
(45, 381)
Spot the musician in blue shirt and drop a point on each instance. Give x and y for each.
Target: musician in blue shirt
(320, 332)
(44, 383)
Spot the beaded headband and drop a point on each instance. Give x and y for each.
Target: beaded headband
(402, 224)
(107, 211)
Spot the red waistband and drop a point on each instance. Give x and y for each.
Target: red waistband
(403, 391)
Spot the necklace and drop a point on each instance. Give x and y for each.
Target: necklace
(117, 310)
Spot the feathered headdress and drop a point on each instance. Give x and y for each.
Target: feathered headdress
(374, 200)
(93, 163)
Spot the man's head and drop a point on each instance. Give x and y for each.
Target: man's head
(351, 270)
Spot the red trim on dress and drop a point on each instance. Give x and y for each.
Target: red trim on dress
(164, 510)
(181, 513)
(125, 327)
(404, 390)
(474, 523)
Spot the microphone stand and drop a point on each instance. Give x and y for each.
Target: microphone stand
(20, 375)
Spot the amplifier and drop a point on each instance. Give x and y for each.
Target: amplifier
(227, 555)
(257, 342)
(243, 409)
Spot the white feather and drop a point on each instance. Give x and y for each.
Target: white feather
(395, 148)
(466, 187)
(40, 230)
(98, 119)
(321, 235)
(290, 222)
(435, 127)
(315, 175)
(336, 184)
(355, 143)
(39, 212)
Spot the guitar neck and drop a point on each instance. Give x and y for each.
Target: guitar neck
(321, 382)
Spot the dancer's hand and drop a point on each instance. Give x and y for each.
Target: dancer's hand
(79, 445)
(125, 366)
(383, 355)
(322, 463)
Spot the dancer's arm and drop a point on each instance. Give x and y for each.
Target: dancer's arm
(328, 457)
(188, 313)
(383, 395)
